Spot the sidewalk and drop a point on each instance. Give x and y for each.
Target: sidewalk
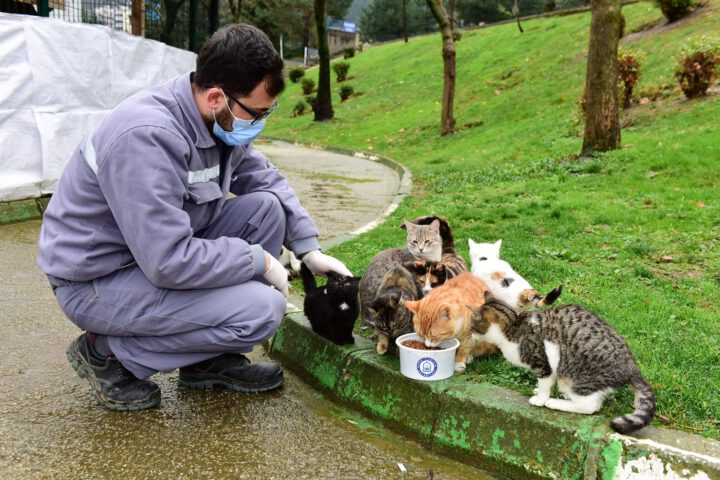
(52, 427)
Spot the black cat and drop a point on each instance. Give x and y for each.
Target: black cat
(331, 308)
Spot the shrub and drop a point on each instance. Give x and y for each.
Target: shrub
(675, 9)
(346, 92)
(299, 108)
(628, 73)
(296, 74)
(348, 52)
(341, 70)
(312, 101)
(308, 85)
(697, 67)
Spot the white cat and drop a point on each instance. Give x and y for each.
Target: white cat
(290, 262)
(504, 282)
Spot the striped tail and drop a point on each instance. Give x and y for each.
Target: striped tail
(549, 298)
(644, 408)
(308, 278)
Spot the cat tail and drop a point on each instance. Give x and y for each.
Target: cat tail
(308, 278)
(644, 408)
(549, 298)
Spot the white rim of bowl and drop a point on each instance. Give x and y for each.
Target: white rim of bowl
(397, 342)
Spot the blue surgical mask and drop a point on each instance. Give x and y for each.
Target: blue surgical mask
(243, 132)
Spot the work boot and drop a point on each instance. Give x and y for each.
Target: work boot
(115, 387)
(232, 371)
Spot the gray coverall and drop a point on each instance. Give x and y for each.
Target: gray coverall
(142, 245)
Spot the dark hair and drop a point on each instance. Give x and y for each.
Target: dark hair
(237, 58)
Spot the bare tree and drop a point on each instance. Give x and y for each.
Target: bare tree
(447, 122)
(405, 20)
(323, 103)
(602, 124)
(235, 10)
(516, 12)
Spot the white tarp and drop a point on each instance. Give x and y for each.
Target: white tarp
(57, 81)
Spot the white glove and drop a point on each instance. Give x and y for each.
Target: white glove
(319, 264)
(276, 274)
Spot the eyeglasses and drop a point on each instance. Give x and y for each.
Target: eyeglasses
(257, 116)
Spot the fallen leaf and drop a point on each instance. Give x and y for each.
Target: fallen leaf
(644, 101)
(663, 418)
(648, 202)
(666, 259)
(497, 92)
(701, 204)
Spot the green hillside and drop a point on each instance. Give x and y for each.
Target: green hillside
(633, 234)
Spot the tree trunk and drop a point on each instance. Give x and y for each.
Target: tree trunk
(405, 20)
(447, 122)
(306, 25)
(172, 8)
(602, 124)
(516, 12)
(323, 104)
(235, 10)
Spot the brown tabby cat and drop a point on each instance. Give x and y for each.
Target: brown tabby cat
(423, 242)
(570, 346)
(444, 314)
(389, 317)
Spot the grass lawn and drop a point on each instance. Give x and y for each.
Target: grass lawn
(633, 234)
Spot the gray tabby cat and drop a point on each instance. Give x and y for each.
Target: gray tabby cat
(423, 242)
(573, 347)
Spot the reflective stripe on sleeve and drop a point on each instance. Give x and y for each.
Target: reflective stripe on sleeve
(90, 156)
(203, 175)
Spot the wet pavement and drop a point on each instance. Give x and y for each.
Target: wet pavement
(52, 427)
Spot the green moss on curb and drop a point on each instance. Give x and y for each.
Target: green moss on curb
(480, 424)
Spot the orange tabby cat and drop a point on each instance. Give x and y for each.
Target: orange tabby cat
(443, 314)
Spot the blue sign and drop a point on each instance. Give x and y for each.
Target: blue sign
(427, 366)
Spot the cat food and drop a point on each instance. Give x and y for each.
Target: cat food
(418, 345)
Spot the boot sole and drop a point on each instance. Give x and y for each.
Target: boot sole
(214, 382)
(85, 371)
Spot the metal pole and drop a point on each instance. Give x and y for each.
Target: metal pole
(43, 7)
(282, 57)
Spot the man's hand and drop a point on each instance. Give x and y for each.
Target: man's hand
(319, 264)
(276, 274)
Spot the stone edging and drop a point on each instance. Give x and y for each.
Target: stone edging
(23, 210)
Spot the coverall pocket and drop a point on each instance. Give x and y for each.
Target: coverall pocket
(204, 192)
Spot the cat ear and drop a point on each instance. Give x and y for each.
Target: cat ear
(404, 225)
(444, 312)
(411, 305)
(435, 225)
(488, 314)
(497, 246)
(489, 296)
(478, 323)
(471, 244)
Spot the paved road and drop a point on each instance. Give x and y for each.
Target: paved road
(51, 427)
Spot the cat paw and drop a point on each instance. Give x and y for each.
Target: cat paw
(381, 349)
(538, 400)
(536, 390)
(468, 360)
(460, 367)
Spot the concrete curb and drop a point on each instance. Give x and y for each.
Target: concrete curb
(486, 426)
(22, 210)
